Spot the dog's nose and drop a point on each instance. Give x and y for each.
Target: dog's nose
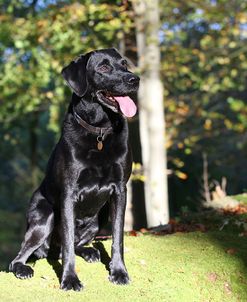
(133, 80)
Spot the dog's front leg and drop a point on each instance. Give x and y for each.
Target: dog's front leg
(69, 278)
(118, 272)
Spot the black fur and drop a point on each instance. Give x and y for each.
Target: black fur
(81, 182)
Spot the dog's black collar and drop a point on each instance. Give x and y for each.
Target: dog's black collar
(101, 132)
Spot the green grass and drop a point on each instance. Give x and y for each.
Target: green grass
(180, 267)
(242, 198)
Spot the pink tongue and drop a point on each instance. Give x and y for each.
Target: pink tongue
(126, 105)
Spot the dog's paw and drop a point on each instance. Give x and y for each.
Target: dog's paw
(71, 282)
(22, 271)
(120, 277)
(90, 254)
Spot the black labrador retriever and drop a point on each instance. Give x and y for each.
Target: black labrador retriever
(87, 172)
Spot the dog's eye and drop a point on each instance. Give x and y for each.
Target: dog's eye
(124, 64)
(104, 68)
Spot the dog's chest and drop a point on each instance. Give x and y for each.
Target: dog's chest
(95, 185)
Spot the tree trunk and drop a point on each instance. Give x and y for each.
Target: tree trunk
(128, 222)
(151, 110)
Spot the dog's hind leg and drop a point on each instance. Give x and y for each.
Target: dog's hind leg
(43, 250)
(86, 235)
(40, 224)
(90, 254)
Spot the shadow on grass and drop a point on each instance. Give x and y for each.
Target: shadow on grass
(231, 244)
(224, 229)
(58, 268)
(52, 259)
(104, 257)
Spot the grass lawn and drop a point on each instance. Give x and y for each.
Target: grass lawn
(181, 267)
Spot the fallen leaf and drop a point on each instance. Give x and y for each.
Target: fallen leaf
(201, 227)
(243, 234)
(172, 221)
(239, 209)
(231, 251)
(212, 277)
(227, 288)
(133, 233)
(143, 230)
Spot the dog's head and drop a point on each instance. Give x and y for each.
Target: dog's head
(104, 74)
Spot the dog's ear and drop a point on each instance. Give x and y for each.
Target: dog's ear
(75, 74)
(115, 49)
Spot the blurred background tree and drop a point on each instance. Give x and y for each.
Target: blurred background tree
(203, 70)
(204, 74)
(151, 112)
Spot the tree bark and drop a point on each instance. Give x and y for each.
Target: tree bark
(151, 110)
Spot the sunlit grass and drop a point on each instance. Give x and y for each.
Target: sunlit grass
(179, 267)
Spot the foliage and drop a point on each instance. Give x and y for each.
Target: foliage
(204, 73)
(38, 38)
(203, 47)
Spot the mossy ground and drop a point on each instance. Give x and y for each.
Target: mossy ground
(180, 267)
